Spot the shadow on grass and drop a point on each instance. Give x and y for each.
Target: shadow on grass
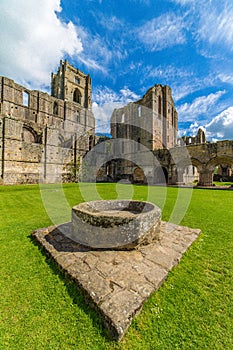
(77, 294)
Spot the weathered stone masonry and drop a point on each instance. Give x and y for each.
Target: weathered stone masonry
(43, 137)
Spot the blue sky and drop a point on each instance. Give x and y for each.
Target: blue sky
(127, 46)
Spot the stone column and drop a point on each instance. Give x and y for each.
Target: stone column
(205, 178)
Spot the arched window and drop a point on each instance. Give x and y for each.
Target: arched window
(139, 144)
(77, 97)
(55, 108)
(160, 107)
(26, 98)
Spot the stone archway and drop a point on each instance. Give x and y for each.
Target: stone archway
(188, 171)
(219, 160)
(29, 135)
(223, 161)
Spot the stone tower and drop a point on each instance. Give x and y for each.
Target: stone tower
(70, 84)
(151, 121)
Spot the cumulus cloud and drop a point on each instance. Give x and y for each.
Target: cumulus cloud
(163, 32)
(201, 105)
(34, 39)
(221, 127)
(105, 101)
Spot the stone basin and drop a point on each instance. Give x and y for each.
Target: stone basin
(115, 224)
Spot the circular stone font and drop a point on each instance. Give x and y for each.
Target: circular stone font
(115, 224)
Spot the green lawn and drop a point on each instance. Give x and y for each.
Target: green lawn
(41, 309)
(221, 183)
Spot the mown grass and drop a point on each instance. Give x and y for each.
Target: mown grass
(41, 309)
(222, 183)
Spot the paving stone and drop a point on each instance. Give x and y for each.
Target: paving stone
(117, 283)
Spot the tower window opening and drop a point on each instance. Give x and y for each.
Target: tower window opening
(139, 111)
(160, 107)
(55, 108)
(77, 96)
(77, 80)
(26, 98)
(78, 116)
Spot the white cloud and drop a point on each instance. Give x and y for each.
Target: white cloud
(111, 23)
(33, 40)
(184, 2)
(211, 21)
(169, 72)
(163, 32)
(194, 127)
(216, 24)
(221, 127)
(92, 64)
(105, 101)
(201, 105)
(226, 78)
(98, 53)
(103, 114)
(182, 80)
(128, 95)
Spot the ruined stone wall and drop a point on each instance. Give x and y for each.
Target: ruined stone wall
(42, 137)
(191, 140)
(152, 122)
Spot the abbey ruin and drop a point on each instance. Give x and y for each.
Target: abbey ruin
(45, 138)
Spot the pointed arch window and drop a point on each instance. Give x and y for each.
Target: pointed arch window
(55, 108)
(77, 97)
(29, 135)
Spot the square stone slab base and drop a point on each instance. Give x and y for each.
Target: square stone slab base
(117, 283)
